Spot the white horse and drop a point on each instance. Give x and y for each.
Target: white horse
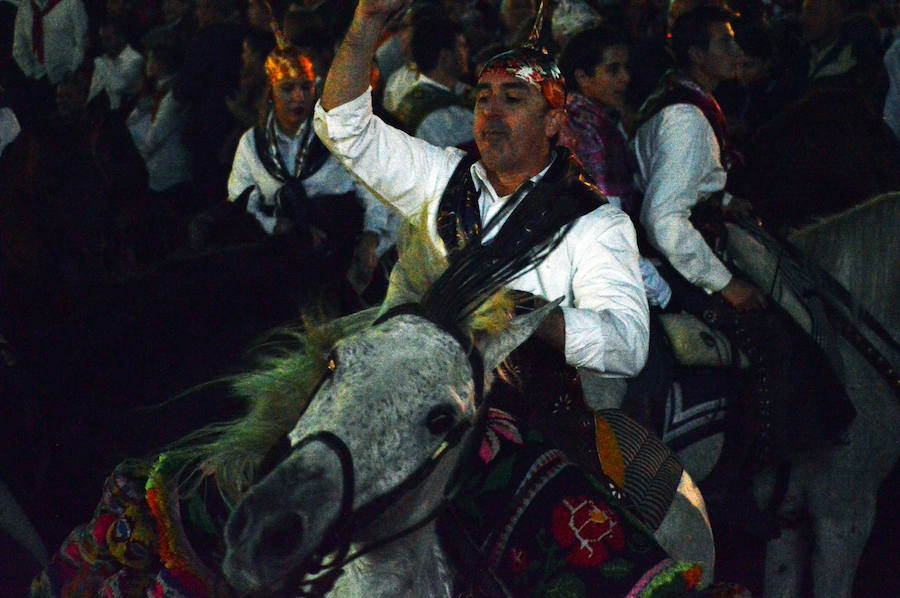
(372, 459)
(378, 407)
(837, 486)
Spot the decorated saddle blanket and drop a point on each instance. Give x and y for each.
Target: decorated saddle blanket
(542, 526)
(135, 545)
(780, 396)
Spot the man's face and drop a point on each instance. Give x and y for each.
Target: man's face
(173, 10)
(514, 124)
(293, 100)
(819, 20)
(608, 83)
(110, 40)
(722, 59)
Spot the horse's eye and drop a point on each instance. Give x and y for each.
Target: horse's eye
(440, 419)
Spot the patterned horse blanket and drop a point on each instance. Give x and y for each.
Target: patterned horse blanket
(541, 524)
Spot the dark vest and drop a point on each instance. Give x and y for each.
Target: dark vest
(677, 88)
(544, 390)
(548, 207)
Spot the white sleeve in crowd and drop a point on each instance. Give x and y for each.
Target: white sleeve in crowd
(79, 20)
(678, 158)
(21, 50)
(169, 120)
(404, 170)
(607, 328)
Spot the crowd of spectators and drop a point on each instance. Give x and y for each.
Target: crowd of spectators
(127, 126)
(130, 111)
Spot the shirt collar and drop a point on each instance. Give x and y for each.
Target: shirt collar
(283, 138)
(479, 177)
(423, 78)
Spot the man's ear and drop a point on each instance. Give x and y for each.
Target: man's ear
(580, 78)
(554, 122)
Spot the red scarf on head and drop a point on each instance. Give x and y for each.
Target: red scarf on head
(37, 27)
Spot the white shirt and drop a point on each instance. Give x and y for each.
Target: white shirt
(892, 101)
(331, 179)
(117, 76)
(397, 84)
(65, 39)
(158, 138)
(9, 127)
(594, 270)
(679, 165)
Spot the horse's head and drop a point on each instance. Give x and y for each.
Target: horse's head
(373, 452)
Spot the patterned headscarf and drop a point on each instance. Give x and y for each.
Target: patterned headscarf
(533, 64)
(287, 62)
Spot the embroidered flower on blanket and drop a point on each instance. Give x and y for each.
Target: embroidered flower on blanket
(500, 425)
(591, 529)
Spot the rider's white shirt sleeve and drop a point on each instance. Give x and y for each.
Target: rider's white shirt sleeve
(596, 271)
(678, 161)
(407, 172)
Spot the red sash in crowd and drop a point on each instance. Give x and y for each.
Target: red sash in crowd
(37, 27)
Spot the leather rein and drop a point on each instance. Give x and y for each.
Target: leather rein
(320, 570)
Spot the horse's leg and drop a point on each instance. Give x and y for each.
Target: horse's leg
(787, 554)
(844, 484)
(839, 544)
(685, 532)
(785, 559)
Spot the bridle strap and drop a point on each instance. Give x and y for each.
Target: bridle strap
(317, 578)
(336, 542)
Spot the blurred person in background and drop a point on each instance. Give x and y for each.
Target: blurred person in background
(299, 192)
(49, 42)
(117, 72)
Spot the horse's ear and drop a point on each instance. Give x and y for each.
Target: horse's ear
(496, 348)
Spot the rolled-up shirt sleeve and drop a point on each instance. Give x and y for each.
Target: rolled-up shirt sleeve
(405, 171)
(678, 157)
(605, 309)
(608, 329)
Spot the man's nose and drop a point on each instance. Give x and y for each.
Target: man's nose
(491, 107)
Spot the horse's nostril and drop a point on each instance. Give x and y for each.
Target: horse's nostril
(283, 535)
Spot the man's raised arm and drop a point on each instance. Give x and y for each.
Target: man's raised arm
(348, 77)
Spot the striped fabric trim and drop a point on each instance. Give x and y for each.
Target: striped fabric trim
(652, 471)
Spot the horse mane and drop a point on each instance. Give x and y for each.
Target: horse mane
(277, 391)
(861, 249)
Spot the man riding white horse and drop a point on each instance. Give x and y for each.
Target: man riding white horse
(602, 323)
(793, 400)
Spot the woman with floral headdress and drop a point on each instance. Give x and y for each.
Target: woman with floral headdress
(293, 186)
